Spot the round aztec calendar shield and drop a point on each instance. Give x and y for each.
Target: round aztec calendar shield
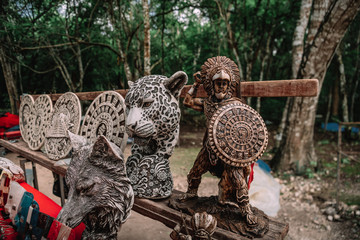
(40, 121)
(237, 134)
(66, 117)
(27, 103)
(105, 116)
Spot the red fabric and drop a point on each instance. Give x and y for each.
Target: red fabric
(54, 230)
(50, 207)
(10, 120)
(251, 177)
(5, 224)
(47, 205)
(10, 135)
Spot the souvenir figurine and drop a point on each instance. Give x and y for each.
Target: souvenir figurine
(153, 117)
(235, 137)
(100, 194)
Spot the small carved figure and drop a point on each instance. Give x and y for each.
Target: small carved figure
(203, 226)
(100, 193)
(153, 117)
(236, 136)
(66, 118)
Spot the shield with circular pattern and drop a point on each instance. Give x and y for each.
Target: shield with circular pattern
(237, 134)
(26, 106)
(106, 116)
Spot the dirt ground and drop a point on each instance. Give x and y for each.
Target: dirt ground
(307, 203)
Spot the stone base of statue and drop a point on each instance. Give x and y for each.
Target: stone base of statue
(228, 217)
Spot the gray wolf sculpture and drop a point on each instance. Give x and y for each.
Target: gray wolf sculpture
(153, 117)
(100, 194)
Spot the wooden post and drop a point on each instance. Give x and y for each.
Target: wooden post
(338, 167)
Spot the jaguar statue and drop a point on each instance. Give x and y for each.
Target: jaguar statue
(153, 117)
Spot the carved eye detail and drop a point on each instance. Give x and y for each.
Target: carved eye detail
(86, 189)
(147, 104)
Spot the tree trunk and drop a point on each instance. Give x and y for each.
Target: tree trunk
(336, 98)
(162, 37)
(9, 71)
(123, 58)
(327, 115)
(225, 16)
(342, 78)
(147, 64)
(297, 148)
(298, 41)
(355, 80)
(62, 68)
(262, 70)
(297, 52)
(9, 68)
(122, 52)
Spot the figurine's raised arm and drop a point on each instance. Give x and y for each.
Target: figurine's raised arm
(190, 100)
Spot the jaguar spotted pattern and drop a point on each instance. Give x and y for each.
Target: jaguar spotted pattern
(153, 117)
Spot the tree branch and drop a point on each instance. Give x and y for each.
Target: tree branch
(72, 43)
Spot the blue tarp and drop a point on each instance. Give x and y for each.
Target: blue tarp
(333, 127)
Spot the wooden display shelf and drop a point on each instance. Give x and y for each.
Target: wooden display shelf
(159, 211)
(155, 209)
(20, 147)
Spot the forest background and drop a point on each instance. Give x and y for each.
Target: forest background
(76, 45)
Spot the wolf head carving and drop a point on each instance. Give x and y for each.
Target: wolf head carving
(100, 194)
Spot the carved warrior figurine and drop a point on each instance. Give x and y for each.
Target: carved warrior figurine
(100, 193)
(153, 117)
(236, 136)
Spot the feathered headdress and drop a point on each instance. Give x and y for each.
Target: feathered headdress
(214, 65)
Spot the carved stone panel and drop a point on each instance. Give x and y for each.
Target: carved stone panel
(27, 103)
(66, 117)
(106, 116)
(41, 114)
(237, 134)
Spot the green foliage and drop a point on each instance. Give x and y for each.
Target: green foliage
(324, 142)
(183, 35)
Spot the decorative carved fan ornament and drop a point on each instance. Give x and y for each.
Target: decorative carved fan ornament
(105, 116)
(66, 117)
(40, 121)
(27, 103)
(237, 134)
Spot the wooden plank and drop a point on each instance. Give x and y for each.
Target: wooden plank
(349, 123)
(275, 88)
(21, 148)
(83, 96)
(281, 88)
(159, 211)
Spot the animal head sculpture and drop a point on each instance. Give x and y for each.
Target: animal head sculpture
(153, 121)
(152, 105)
(100, 194)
